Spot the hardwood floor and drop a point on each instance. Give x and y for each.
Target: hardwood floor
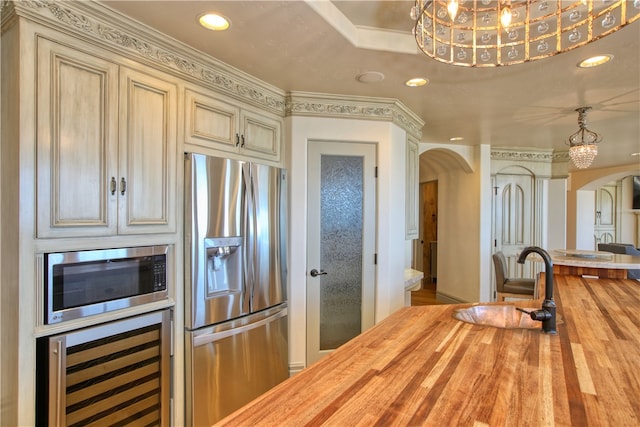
(426, 295)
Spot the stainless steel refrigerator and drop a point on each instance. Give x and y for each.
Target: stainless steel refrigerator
(235, 283)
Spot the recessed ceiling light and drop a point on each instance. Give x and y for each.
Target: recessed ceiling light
(594, 61)
(635, 154)
(416, 82)
(370, 77)
(456, 138)
(214, 21)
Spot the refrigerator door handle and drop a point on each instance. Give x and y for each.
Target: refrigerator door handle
(249, 233)
(204, 339)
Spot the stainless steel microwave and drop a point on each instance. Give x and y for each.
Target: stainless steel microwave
(84, 283)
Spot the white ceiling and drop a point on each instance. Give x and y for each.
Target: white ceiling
(321, 46)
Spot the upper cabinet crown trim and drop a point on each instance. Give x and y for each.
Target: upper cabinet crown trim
(110, 29)
(354, 107)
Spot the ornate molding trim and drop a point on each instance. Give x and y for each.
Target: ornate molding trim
(3, 5)
(543, 163)
(7, 14)
(561, 156)
(353, 107)
(545, 156)
(90, 19)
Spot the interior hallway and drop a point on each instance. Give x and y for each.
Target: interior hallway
(426, 295)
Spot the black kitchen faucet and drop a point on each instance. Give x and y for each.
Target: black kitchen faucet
(547, 314)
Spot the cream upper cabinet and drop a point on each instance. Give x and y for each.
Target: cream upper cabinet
(411, 203)
(106, 146)
(147, 162)
(212, 121)
(260, 135)
(77, 142)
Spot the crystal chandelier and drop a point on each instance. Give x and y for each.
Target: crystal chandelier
(490, 33)
(582, 144)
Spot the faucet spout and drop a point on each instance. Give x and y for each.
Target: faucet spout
(548, 305)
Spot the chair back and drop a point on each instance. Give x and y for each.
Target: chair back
(500, 265)
(612, 247)
(622, 248)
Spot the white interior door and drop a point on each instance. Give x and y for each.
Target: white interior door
(514, 219)
(605, 226)
(341, 244)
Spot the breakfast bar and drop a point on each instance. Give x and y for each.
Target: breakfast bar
(593, 263)
(422, 366)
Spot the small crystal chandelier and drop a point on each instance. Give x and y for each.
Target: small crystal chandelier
(582, 144)
(491, 33)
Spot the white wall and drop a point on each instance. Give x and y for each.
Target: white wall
(391, 146)
(556, 214)
(483, 160)
(458, 236)
(391, 222)
(585, 202)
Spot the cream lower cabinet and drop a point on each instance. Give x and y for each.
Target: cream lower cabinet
(212, 121)
(106, 146)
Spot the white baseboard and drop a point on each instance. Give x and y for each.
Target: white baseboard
(295, 368)
(448, 299)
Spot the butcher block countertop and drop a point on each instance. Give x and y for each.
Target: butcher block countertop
(422, 367)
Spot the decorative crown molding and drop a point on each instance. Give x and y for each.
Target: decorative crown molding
(144, 44)
(545, 156)
(353, 107)
(561, 156)
(109, 28)
(543, 163)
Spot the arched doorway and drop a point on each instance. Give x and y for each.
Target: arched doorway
(444, 217)
(581, 215)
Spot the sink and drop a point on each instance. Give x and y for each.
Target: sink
(498, 316)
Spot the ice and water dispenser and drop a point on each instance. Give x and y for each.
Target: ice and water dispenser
(224, 265)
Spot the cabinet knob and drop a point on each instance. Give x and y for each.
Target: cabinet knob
(123, 186)
(237, 139)
(112, 186)
(242, 138)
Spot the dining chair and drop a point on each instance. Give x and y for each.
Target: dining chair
(508, 287)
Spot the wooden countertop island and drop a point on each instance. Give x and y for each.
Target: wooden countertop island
(420, 366)
(605, 265)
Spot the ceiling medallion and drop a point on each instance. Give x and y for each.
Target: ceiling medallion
(370, 77)
(492, 33)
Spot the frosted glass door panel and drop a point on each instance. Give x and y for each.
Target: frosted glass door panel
(341, 203)
(341, 244)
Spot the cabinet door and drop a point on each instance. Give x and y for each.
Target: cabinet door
(605, 215)
(411, 203)
(210, 122)
(261, 135)
(76, 142)
(147, 179)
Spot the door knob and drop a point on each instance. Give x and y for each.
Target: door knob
(315, 273)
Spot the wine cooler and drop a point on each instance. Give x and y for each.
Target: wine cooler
(113, 374)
